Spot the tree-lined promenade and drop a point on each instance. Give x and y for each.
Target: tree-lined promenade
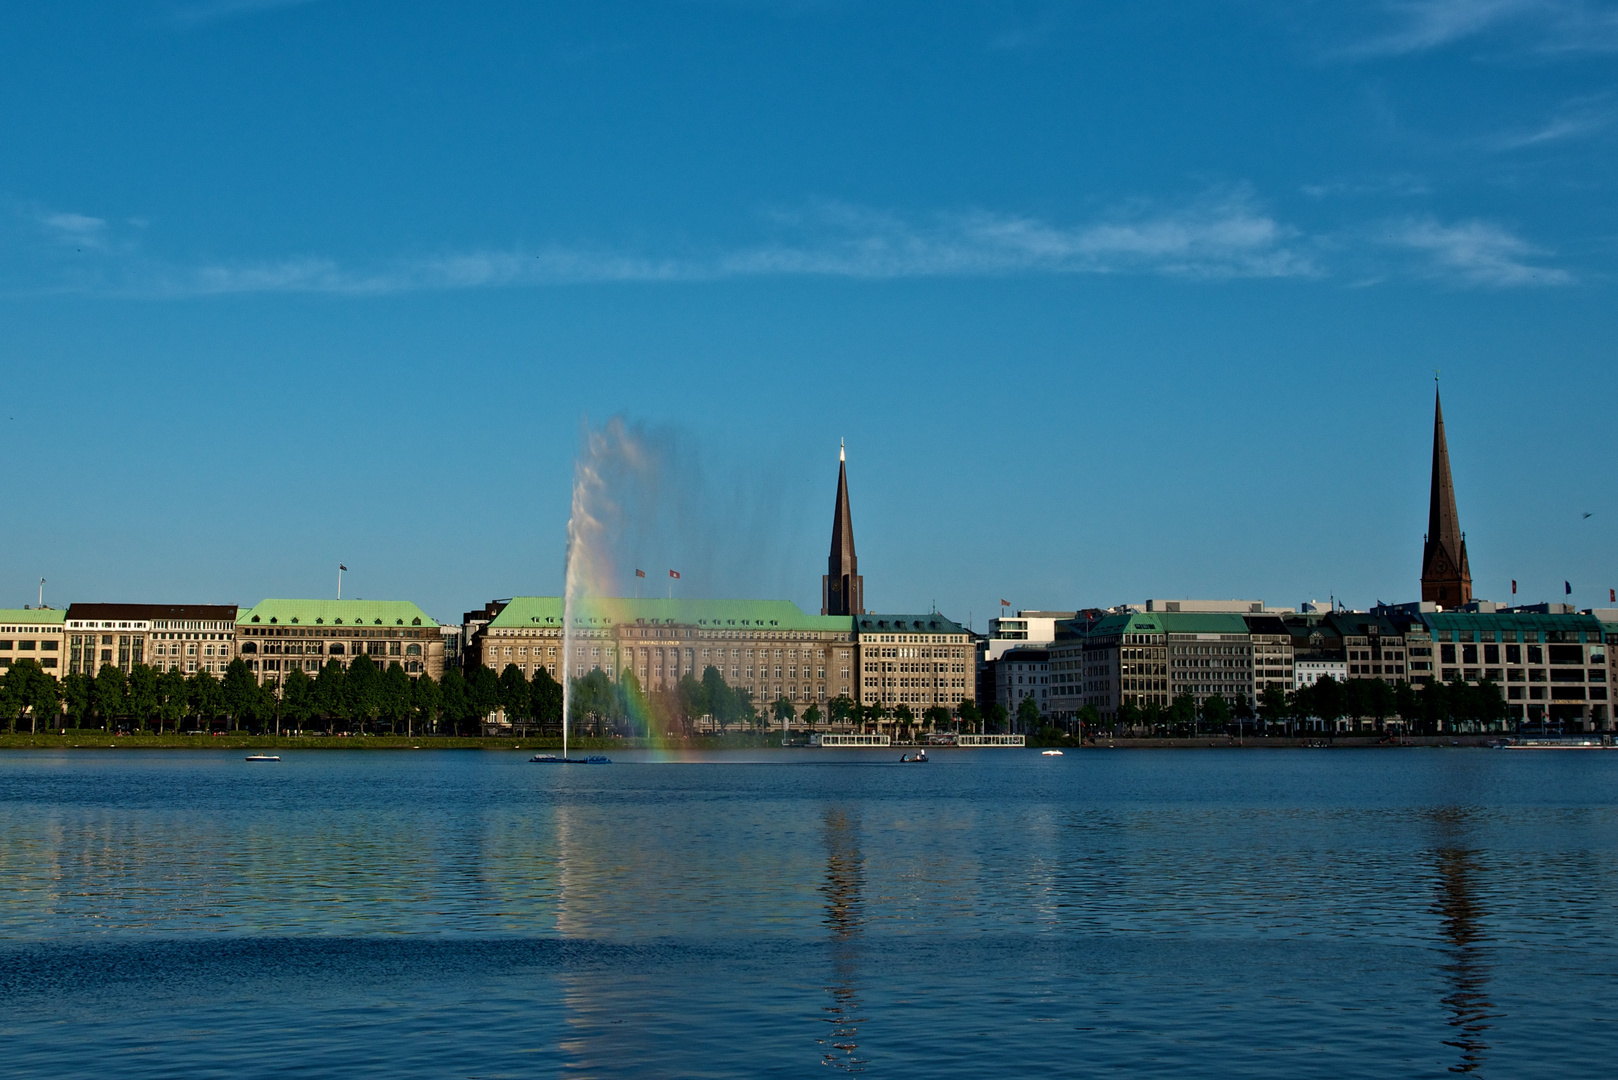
(363, 698)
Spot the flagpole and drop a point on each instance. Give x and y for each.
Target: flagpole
(339, 582)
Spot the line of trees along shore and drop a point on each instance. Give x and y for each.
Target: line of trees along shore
(1427, 709)
(365, 697)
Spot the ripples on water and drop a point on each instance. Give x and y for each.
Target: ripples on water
(1351, 913)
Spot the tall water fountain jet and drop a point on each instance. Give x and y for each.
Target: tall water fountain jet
(644, 497)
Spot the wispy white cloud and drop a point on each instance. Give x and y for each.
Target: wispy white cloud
(1478, 253)
(1538, 25)
(79, 230)
(1228, 236)
(1575, 120)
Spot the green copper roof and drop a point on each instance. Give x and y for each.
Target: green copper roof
(372, 613)
(34, 616)
(1509, 620)
(605, 612)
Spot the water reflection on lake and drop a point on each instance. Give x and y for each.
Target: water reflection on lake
(1191, 913)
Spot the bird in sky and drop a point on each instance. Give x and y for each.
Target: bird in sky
(1587, 513)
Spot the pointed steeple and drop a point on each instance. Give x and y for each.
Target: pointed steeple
(842, 589)
(1446, 576)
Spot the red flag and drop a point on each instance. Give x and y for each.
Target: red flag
(674, 573)
(640, 573)
(1612, 596)
(1005, 603)
(1513, 586)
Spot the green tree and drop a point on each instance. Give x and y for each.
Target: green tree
(692, 695)
(23, 689)
(969, 713)
(76, 689)
(875, 713)
(784, 712)
(1128, 716)
(1272, 705)
(456, 706)
(841, 709)
(427, 700)
(362, 691)
(331, 693)
(205, 696)
(1216, 714)
(1183, 714)
(394, 704)
(1089, 719)
(811, 716)
(1028, 714)
(297, 700)
(143, 695)
(1326, 701)
(743, 711)
(721, 702)
(173, 698)
(1407, 703)
(937, 716)
(239, 693)
(545, 693)
(108, 695)
(45, 702)
(516, 696)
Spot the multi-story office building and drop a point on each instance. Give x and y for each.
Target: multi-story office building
(1023, 630)
(1272, 654)
(184, 637)
(33, 634)
(769, 647)
(1309, 671)
(915, 660)
(1023, 673)
(1550, 666)
(278, 636)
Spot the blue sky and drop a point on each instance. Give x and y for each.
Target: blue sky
(1110, 301)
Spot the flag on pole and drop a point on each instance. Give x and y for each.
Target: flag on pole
(1612, 596)
(340, 566)
(1567, 588)
(1513, 586)
(640, 573)
(1005, 603)
(674, 573)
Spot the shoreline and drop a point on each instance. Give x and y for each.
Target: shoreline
(76, 739)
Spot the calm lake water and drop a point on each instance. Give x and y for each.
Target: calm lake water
(994, 913)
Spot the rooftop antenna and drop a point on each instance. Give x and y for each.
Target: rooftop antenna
(41, 592)
(842, 450)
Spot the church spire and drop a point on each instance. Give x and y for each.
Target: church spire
(842, 590)
(1446, 577)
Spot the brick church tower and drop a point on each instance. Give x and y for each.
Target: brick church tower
(1446, 577)
(842, 589)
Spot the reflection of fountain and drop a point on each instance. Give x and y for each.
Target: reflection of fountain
(1468, 970)
(845, 881)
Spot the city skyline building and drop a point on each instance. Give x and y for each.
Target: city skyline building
(1446, 576)
(842, 590)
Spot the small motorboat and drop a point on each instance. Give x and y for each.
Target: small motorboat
(1050, 753)
(263, 757)
(918, 758)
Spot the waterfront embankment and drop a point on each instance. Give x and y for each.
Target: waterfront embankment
(93, 739)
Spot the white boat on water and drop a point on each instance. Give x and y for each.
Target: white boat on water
(1050, 753)
(263, 757)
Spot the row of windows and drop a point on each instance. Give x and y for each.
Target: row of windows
(45, 662)
(29, 644)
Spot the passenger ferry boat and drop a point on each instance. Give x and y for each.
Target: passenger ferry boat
(991, 740)
(849, 739)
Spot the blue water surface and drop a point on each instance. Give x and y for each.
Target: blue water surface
(1218, 913)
